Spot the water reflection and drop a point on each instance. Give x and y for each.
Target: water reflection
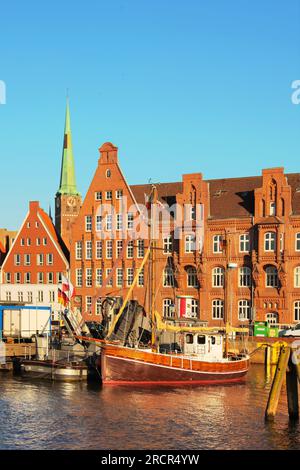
(46, 415)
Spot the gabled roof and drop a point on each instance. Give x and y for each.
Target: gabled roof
(229, 197)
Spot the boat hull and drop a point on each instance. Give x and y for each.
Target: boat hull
(50, 371)
(142, 368)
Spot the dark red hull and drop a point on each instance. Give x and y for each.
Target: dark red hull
(117, 370)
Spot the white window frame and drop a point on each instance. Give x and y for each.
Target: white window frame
(88, 223)
(244, 243)
(109, 249)
(297, 276)
(244, 309)
(168, 245)
(270, 241)
(217, 239)
(78, 250)
(217, 309)
(271, 277)
(244, 276)
(218, 277)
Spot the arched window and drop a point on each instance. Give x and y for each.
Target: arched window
(297, 276)
(270, 241)
(272, 318)
(168, 277)
(297, 310)
(192, 280)
(271, 276)
(168, 308)
(244, 309)
(217, 309)
(218, 277)
(244, 277)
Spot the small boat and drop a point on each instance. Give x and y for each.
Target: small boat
(48, 369)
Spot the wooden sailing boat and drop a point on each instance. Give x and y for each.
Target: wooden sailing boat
(202, 360)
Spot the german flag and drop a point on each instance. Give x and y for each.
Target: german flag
(62, 297)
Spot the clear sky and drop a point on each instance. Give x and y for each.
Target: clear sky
(179, 86)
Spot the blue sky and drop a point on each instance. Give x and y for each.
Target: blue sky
(178, 86)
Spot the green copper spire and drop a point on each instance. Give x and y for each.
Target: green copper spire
(67, 175)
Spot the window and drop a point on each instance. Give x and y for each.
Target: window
(297, 242)
(244, 277)
(130, 220)
(20, 296)
(244, 310)
(8, 296)
(244, 243)
(271, 276)
(8, 278)
(108, 195)
(22, 241)
(189, 243)
(141, 278)
(98, 307)
(109, 249)
(51, 296)
(40, 278)
(192, 280)
(27, 260)
(272, 208)
(88, 304)
(40, 296)
(194, 308)
(218, 277)
(119, 222)
(29, 297)
(17, 278)
(79, 277)
(119, 277)
(272, 318)
(167, 245)
(59, 278)
(99, 279)
(78, 250)
(37, 225)
(119, 248)
(168, 277)
(218, 309)
(108, 222)
(27, 278)
(108, 173)
(130, 249)
(98, 249)
(193, 213)
(119, 194)
(28, 241)
(168, 308)
(281, 242)
(28, 225)
(297, 276)
(17, 260)
(88, 277)
(297, 310)
(88, 223)
(98, 196)
(98, 223)
(217, 244)
(141, 249)
(40, 259)
(38, 242)
(50, 278)
(129, 276)
(45, 241)
(270, 241)
(109, 278)
(88, 249)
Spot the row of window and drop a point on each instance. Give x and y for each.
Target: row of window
(119, 245)
(109, 194)
(40, 258)
(107, 223)
(26, 278)
(28, 297)
(38, 241)
(98, 281)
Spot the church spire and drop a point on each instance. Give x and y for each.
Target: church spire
(67, 175)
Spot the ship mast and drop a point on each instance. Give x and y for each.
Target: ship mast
(152, 267)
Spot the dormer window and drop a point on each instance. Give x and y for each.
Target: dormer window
(108, 173)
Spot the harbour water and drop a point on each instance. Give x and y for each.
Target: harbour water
(44, 415)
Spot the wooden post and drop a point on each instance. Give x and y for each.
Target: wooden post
(292, 388)
(277, 383)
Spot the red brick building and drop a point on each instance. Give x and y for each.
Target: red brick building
(33, 267)
(248, 264)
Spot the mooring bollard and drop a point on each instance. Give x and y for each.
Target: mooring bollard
(277, 383)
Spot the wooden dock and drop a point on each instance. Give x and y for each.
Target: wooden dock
(10, 350)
